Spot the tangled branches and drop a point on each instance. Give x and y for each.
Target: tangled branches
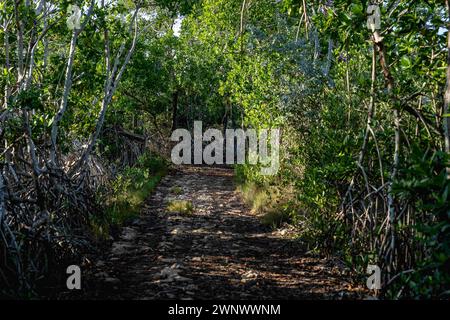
(43, 221)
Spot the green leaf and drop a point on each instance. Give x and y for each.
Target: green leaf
(405, 62)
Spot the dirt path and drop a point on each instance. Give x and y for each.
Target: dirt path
(220, 251)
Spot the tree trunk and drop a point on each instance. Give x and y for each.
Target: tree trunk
(175, 109)
(391, 214)
(67, 85)
(2, 198)
(446, 120)
(19, 35)
(63, 105)
(7, 63)
(111, 83)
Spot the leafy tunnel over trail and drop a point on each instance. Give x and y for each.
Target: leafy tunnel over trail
(359, 91)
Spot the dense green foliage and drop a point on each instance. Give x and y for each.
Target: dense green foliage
(309, 73)
(362, 160)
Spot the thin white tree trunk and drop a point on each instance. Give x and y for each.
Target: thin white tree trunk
(63, 105)
(67, 86)
(45, 39)
(110, 87)
(19, 35)
(7, 62)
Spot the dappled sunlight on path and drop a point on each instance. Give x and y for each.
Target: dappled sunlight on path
(218, 250)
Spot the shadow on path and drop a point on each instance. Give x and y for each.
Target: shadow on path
(220, 251)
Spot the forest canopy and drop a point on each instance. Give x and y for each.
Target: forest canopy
(93, 89)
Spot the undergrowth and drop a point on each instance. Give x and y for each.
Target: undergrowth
(126, 194)
(271, 204)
